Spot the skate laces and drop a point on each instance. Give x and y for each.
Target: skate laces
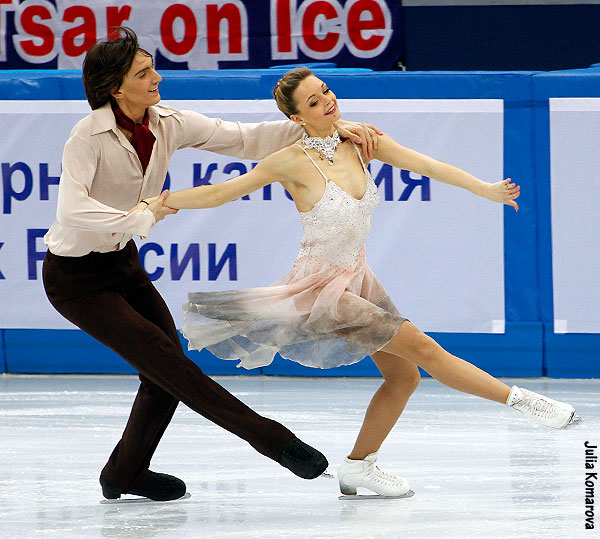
(374, 473)
(537, 404)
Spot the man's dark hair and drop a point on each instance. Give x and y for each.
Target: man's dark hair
(106, 65)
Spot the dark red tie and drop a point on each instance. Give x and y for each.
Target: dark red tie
(142, 139)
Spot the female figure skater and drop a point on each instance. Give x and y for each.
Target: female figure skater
(330, 309)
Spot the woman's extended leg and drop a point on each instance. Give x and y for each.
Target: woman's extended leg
(414, 345)
(401, 378)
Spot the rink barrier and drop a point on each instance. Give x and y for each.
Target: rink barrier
(529, 347)
(568, 355)
(514, 353)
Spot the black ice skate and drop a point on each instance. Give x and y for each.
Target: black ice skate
(152, 487)
(302, 459)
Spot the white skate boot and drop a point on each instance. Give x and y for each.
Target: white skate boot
(549, 412)
(363, 473)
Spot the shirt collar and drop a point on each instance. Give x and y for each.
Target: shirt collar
(103, 118)
(159, 111)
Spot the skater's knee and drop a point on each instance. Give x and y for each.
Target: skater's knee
(413, 378)
(404, 379)
(423, 350)
(412, 344)
(409, 379)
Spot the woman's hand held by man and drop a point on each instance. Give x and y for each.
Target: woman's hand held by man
(156, 206)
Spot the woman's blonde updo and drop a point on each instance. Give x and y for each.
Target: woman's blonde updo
(286, 86)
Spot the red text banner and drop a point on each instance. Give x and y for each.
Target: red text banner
(205, 34)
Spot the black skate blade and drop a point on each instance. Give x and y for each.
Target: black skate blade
(327, 475)
(349, 497)
(140, 499)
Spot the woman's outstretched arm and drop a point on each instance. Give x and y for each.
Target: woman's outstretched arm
(389, 151)
(210, 196)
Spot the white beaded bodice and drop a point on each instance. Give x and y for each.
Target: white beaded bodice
(336, 228)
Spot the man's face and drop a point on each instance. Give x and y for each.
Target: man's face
(140, 86)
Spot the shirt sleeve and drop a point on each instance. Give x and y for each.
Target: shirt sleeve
(77, 209)
(243, 140)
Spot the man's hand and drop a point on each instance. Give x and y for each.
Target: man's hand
(156, 206)
(140, 206)
(364, 135)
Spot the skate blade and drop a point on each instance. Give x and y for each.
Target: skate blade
(118, 501)
(327, 475)
(347, 497)
(574, 421)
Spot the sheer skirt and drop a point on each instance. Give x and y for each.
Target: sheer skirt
(318, 315)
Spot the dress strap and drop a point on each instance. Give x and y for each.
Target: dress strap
(313, 161)
(360, 156)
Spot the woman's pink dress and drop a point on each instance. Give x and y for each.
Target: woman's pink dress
(329, 310)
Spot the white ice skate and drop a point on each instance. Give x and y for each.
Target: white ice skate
(363, 473)
(549, 412)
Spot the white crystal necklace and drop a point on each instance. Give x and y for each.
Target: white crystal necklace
(325, 147)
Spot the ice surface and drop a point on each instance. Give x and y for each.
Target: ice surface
(478, 469)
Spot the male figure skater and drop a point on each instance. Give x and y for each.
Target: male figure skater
(115, 157)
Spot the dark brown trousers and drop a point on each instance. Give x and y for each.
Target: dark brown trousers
(110, 297)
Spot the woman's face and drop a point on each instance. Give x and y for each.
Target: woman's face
(316, 104)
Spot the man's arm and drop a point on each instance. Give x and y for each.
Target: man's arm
(257, 140)
(243, 140)
(76, 209)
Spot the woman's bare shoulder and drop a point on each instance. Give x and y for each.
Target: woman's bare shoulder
(291, 151)
(286, 159)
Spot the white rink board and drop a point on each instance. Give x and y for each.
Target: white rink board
(575, 192)
(441, 259)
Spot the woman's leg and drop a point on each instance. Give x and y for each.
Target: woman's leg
(401, 378)
(412, 344)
